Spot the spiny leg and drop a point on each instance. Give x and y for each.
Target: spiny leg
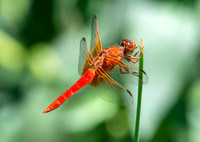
(127, 71)
(120, 69)
(131, 58)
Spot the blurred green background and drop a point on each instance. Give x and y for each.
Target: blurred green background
(39, 49)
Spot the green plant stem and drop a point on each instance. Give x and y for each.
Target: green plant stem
(139, 100)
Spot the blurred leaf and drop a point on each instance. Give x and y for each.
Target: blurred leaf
(13, 14)
(12, 53)
(44, 63)
(39, 26)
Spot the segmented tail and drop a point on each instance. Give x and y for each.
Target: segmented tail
(84, 80)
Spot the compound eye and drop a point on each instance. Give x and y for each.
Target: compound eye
(130, 44)
(123, 43)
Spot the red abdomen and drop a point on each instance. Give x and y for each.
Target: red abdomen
(84, 80)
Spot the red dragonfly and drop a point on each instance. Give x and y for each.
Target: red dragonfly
(95, 67)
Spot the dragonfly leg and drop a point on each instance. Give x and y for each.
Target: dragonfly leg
(136, 53)
(131, 58)
(127, 71)
(120, 69)
(137, 47)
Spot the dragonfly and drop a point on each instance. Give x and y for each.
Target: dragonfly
(94, 66)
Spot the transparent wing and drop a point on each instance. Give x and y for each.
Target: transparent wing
(110, 90)
(85, 57)
(95, 45)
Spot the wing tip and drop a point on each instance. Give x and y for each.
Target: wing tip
(83, 39)
(129, 92)
(95, 17)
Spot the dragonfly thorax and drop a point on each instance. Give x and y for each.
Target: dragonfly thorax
(108, 58)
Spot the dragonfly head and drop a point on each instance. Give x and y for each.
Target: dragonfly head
(128, 45)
